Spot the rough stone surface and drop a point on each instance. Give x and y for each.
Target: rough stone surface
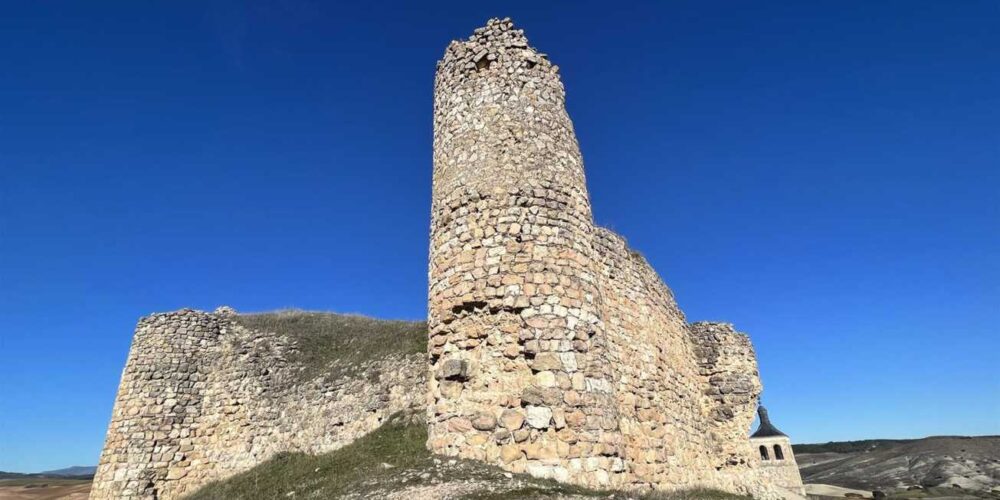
(202, 398)
(553, 349)
(556, 316)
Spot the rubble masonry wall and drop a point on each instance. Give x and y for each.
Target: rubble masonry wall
(554, 349)
(202, 398)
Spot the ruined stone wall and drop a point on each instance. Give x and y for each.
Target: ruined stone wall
(554, 349)
(726, 358)
(686, 393)
(202, 398)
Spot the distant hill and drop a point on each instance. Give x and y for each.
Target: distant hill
(848, 446)
(971, 463)
(867, 444)
(74, 471)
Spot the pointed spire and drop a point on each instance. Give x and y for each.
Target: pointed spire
(766, 428)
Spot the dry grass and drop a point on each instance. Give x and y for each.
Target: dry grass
(335, 343)
(393, 459)
(42, 488)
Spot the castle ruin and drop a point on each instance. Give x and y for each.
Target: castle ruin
(553, 349)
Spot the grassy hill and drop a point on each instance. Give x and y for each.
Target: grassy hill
(333, 343)
(393, 462)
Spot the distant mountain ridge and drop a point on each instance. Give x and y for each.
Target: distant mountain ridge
(76, 471)
(867, 444)
(73, 471)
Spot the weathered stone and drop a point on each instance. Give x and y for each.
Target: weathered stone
(453, 369)
(558, 418)
(176, 474)
(484, 422)
(538, 416)
(531, 347)
(521, 435)
(450, 388)
(541, 451)
(546, 361)
(545, 379)
(539, 396)
(510, 453)
(511, 419)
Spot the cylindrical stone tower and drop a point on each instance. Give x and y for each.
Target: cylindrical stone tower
(517, 370)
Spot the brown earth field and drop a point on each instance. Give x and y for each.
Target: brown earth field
(38, 488)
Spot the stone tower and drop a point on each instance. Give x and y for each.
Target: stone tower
(555, 349)
(514, 302)
(774, 454)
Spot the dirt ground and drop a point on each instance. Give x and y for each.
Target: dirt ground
(44, 489)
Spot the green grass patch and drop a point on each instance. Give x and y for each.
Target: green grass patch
(334, 343)
(397, 443)
(562, 490)
(541, 489)
(393, 458)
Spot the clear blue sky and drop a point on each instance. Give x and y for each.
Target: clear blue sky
(823, 174)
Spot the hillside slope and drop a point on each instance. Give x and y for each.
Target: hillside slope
(393, 463)
(971, 463)
(335, 345)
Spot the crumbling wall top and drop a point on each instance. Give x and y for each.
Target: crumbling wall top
(499, 47)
